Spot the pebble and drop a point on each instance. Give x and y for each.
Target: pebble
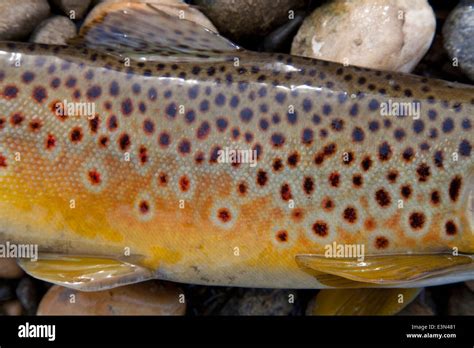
(261, 302)
(54, 31)
(19, 18)
(207, 300)
(422, 305)
(9, 269)
(149, 298)
(458, 32)
(27, 295)
(12, 308)
(6, 290)
(171, 7)
(280, 39)
(379, 34)
(238, 20)
(461, 301)
(74, 9)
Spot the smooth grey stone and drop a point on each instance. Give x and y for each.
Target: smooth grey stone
(54, 31)
(78, 7)
(20, 18)
(458, 32)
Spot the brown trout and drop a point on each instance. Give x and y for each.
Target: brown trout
(153, 148)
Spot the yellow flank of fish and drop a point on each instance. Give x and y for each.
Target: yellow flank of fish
(205, 163)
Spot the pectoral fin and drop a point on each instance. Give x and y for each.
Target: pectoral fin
(387, 269)
(85, 273)
(362, 301)
(334, 281)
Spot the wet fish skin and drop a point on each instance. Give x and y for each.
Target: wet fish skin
(192, 219)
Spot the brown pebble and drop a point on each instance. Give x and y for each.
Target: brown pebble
(12, 308)
(149, 298)
(9, 269)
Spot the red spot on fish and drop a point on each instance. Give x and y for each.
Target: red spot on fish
(277, 165)
(184, 183)
(417, 220)
(16, 119)
(327, 204)
(144, 207)
(282, 236)
(10, 92)
(370, 224)
(224, 215)
(297, 214)
(3, 161)
(293, 160)
(58, 109)
(162, 179)
(94, 177)
(76, 135)
(454, 188)
(50, 142)
(200, 157)
(357, 180)
(39, 94)
(242, 188)
(94, 123)
(334, 179)
(450, 228)
(143, 154)
(112, 123)
(350, 215)
(35, 126)
(320, 228)
(381, 243)
(262, 178)
(104, 141)
(308, 185)
(366, 163)
(383, 198)
(285, 192)
(124, 142)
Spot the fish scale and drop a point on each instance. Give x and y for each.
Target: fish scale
(144, 174)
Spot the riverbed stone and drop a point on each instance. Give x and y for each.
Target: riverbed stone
(248, 18)
(380, 34)
(9, 269)
(271, 302)
(458, 33)
(149, 298)
(19, 18)
(54, 31)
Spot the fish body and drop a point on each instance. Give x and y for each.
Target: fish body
(146, 171)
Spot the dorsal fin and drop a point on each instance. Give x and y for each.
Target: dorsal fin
(141, 31)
